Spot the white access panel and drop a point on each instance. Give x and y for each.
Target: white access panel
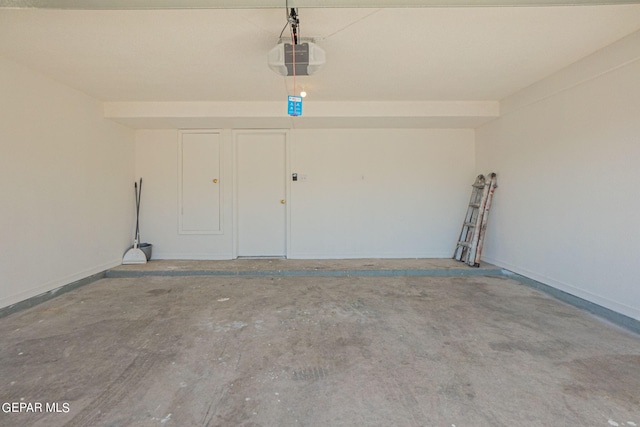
(261, 193)
(200, 185)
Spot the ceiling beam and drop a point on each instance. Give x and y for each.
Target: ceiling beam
(261, 4)
(318, 114)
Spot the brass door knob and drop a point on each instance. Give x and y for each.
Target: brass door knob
(283, 201)
(215, 181)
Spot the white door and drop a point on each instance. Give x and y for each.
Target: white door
(261, 193)
(199, 186)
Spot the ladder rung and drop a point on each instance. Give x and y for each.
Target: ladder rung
(474, 223)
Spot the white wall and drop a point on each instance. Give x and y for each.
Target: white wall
(567, 154)
(368, 193)
(65, 181)
(379, 192)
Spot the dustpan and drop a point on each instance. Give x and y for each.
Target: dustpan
(135, 255)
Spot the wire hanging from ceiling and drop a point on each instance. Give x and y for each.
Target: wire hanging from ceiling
(282, 32)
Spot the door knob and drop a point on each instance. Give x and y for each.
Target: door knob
(215, 181)
(283, 201)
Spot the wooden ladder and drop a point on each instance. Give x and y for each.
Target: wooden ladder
(469, 246)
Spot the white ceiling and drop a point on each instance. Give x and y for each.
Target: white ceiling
(385, 54)
(256, 4)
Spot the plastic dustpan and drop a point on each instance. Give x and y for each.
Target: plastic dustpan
(134, 256)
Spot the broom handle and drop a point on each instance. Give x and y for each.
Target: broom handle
(137, 235)
(138, 210)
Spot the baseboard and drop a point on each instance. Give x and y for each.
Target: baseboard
(196, 256)
(568, 288)
(391, 255)
(46, 296)
(56, 283)
(583, 304)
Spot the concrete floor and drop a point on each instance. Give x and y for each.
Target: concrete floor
(315, 351)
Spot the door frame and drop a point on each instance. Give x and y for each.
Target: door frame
(287, 189)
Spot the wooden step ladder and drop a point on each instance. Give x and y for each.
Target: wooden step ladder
(469, 246)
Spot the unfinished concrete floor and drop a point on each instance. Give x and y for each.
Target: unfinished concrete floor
(315, 351)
